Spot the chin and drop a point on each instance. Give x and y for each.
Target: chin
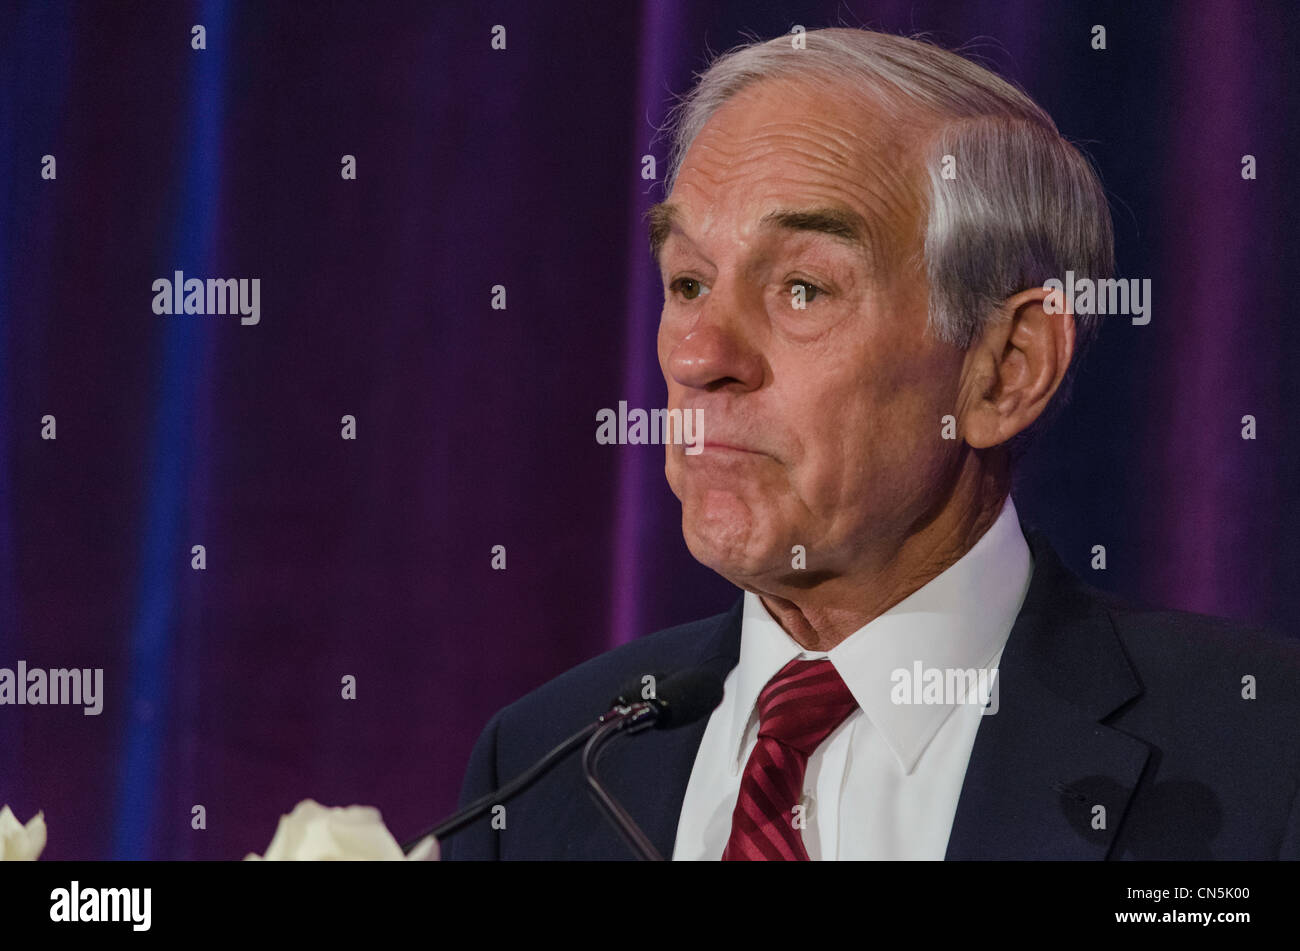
(728, 536)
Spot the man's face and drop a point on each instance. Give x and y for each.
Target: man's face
(821, 425)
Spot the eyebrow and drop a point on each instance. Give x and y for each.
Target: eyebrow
(839, 223)
(663, 218)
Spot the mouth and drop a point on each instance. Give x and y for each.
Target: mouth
(720, 451)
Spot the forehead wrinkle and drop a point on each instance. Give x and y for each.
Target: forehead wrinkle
(839, 127)
(830, 147)
(786, 142)
(881, 180)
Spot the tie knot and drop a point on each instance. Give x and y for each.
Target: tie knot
(803, 704)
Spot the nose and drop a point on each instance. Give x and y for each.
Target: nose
(719, 350)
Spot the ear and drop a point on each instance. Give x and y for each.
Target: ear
(1013, 368)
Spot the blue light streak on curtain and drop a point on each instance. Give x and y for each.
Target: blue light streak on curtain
(165, 545)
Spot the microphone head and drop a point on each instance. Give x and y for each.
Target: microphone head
(687, 696)
(631, 691)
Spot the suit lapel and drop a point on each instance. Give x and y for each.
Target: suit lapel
(1046, 779)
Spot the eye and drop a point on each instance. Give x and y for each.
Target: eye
(688, 288)
(810, 291)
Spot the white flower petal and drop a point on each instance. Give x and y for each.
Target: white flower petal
(19, 843)
(314, 833)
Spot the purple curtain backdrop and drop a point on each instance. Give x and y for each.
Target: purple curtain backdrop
(475, 426)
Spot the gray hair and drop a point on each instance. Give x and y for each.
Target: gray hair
(1025, 205)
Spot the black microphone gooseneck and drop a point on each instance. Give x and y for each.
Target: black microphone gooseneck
(682, 699)
(623, 716)
(463, 817)
(607, 804)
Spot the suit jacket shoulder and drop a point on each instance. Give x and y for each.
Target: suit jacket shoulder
(1130, 733)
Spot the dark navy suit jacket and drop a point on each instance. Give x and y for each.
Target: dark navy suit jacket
(1101, 704)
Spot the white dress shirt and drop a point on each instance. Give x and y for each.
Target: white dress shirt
(885, 783)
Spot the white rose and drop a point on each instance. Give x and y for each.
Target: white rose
(22, 843)
(312, 832)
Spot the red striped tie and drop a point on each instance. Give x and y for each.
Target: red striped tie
(799, 707)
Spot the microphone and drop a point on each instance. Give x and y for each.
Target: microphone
(681, 699)
(632, 690)
(687, 696)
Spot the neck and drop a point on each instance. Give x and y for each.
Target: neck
(822, 616)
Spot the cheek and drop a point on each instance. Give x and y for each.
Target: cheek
(862, 433)
(909, 447)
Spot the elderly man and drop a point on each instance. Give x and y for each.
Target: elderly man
(854, 252)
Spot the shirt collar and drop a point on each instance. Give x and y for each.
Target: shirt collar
(960, 619)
